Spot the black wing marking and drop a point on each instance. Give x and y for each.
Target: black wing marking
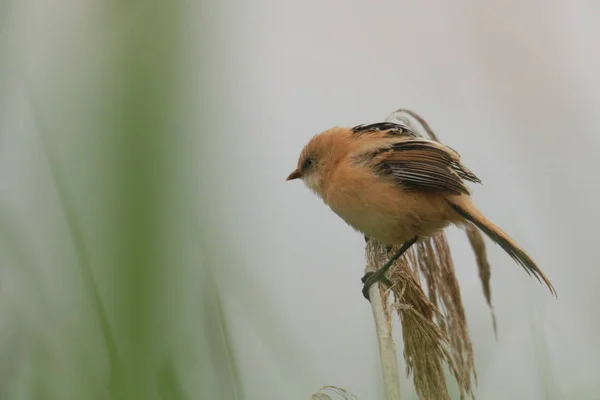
(390, 128)
(425, 165)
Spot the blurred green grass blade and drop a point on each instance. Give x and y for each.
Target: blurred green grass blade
(15, 255)
(151, 245)
(169, 387)
(143, 146)
(219, 339)
(81, 250)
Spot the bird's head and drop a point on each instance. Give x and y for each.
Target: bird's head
(318, 157)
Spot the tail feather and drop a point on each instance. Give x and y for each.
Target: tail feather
(474, 216)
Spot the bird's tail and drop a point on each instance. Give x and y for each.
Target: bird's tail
(469, 212)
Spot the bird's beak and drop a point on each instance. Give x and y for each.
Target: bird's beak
(294, 175)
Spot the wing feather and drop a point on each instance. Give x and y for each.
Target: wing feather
(422, 164)
(388, 129)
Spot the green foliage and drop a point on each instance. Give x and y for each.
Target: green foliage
(115, 159)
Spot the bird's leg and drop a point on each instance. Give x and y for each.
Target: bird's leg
(371, 277)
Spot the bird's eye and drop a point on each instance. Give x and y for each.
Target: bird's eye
(309, 162)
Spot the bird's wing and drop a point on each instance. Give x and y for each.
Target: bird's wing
(423, 165)
(384, 129)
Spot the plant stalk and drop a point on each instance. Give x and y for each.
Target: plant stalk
(383, 326)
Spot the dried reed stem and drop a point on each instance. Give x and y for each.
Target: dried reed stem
(383, 326)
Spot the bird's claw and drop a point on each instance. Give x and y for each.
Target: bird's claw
(370, 278)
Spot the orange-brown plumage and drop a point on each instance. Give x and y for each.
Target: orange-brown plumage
(393, 186)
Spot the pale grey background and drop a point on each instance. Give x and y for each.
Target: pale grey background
(513, 86)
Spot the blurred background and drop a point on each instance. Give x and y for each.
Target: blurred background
(151, 248)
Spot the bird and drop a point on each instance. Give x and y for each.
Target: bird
(396, 187)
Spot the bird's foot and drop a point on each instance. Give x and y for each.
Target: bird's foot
(371, 277)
